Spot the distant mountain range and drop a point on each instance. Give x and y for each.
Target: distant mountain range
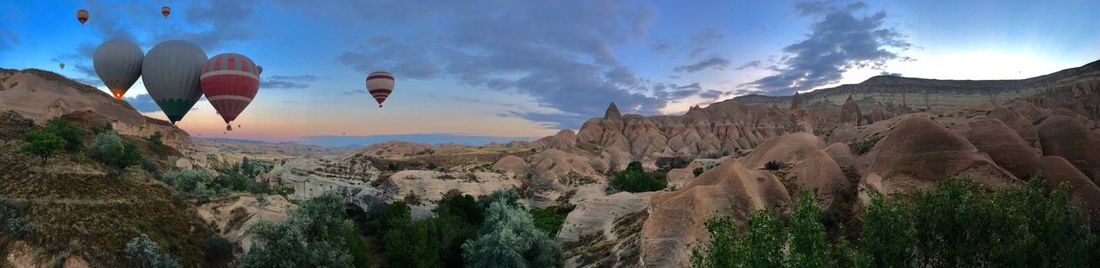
(430, 138)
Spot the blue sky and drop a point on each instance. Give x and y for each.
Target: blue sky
(527, 68)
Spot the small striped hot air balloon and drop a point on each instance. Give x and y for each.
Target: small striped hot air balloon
(230, 82)
(165, 10)
(82, 16)
(380, 85)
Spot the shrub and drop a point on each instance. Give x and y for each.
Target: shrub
(73, 135)
(313, 236)
(15, 222)
(634, 179)
(143, 252)
(698, 171)
(156, 143)
(887, 236)
(668, 163)
(195, 183)
(551, 218)
(774, 165)
(509, 238)
(808, 247)
(42, 144)
(109, 148)
(216, 248)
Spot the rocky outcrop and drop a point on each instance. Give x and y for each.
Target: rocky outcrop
(918, 153)
(1069, 138)
(511, 164)
(395, 149)
(1056, 172)
(41, 96)
(232, 216)
(849, 112)
(1004, 146)
(676, 218)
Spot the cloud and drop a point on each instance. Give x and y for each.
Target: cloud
(356, 92)
(715, 62)
(567, 66)
(750, 65)
(8, 39)
(711, 94)
(708, 37)
(288, 81)
(660, 46)
(839, 41)
(142, 103)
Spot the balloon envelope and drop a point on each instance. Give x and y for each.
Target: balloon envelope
(380, 85)
(165, 10)
(118, 63)
(82, 16)
(62, 65)
(230, 82)
(171, 73)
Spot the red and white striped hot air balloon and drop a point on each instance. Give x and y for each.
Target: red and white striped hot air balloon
(230, 81)
(380, 85)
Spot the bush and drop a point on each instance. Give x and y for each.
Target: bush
(774, 165)
(156, 143)
(313, 236)
(634, 179)
(143, 252)
(109, 149)
(216, 248)
(42, 144)
(509, 238)
(15, 222)
(73, 135)
(887, 236)
(698, 171)
(668, 163)
(551, 218)
(194, 183)
(808, 247)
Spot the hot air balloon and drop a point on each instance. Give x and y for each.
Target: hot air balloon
(165, 10)
(118, 64)
(62, 65)
(82, 16)
(259, 69)
(230, 81)
(380, 85)
(171, 73)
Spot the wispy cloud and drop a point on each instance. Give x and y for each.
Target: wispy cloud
(839, 41)
(716, 62)
(288, 81)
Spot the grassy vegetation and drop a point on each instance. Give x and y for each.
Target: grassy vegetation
(74, 207)
(959, 224)
(551, 218)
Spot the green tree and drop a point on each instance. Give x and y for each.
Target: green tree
(195, 183)
(122, 155)
(216, 248)
(762, 243)
(808, 246)
(720, 251)
(43, 144)
(102, 143)
(156, 143)
(509, 238)
(73, 135)
(886, 239)
(634, 179)
(313, 236)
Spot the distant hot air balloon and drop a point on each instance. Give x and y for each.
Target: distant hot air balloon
(165, 10)
(380, 85)
(82, 16)
(171, 73)
(62, 65)
(118, 64)
(230, 81)
(259, 69)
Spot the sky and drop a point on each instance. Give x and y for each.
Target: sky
(522, 69)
